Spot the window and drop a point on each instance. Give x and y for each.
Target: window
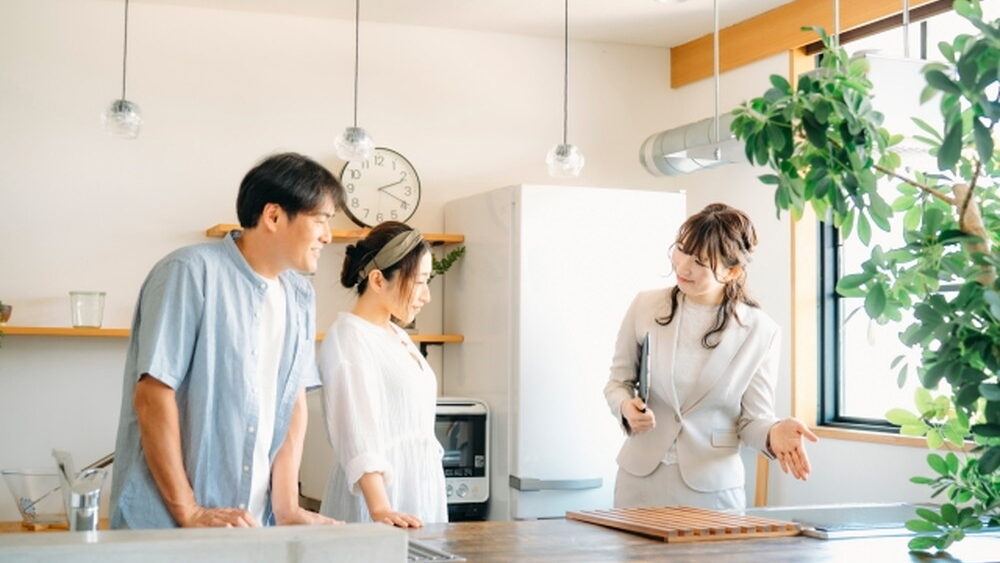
(857, 383)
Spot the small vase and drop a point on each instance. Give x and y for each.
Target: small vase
(5, 311)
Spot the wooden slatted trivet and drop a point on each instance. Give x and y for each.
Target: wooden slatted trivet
(686, 523)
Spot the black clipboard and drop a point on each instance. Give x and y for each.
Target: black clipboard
(642, 377)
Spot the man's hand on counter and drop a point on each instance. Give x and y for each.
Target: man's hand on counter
(201, 517)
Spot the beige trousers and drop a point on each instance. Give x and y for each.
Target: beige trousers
(665, 487)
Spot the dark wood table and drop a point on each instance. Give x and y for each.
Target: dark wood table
(567, 540)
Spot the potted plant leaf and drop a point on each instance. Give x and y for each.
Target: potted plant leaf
(824, 143)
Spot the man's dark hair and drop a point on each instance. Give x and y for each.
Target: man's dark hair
(295, 182)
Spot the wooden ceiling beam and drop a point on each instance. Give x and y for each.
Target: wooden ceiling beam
(773, 32)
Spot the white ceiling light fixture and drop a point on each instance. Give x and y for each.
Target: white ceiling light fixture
(708, 143)
(354, 143)
(565, 159)
(122, 118)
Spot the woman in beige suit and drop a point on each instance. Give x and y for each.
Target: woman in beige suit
(713, 365)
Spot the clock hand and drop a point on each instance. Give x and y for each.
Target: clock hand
(392, 184)
(394, 196)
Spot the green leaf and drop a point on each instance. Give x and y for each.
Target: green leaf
(937, 79)
(990, 460)
(927, 127)
(951, 147)
(990, 390)
(781, 83)
(770, 179)
(852, 281)
(875, 301)
(921, 526)
(949, 513)
(922, 398)
(901, 376)
(864, 230)
(896, 360)
(930, 515)
(937, 463)
(918, 429)
(911, 220)
(984, 142)
(901, 417)
(934, 439)
(990, 430)
(922, 542)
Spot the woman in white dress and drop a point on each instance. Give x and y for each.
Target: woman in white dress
(379, 394)
(713, 365)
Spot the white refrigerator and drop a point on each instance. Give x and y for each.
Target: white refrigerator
(539, 296)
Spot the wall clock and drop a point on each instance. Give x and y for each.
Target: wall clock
(383, 188)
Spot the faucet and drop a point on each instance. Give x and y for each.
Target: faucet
(81, 493)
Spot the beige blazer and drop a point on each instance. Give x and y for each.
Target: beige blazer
(732, 401)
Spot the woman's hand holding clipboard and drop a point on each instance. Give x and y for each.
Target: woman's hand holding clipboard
(638, 418)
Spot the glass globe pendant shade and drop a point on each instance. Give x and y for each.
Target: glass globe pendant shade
(123, 119)
(564, 160)
(354, 144)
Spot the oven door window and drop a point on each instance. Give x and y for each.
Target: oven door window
(463, 438)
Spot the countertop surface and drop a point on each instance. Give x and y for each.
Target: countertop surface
(567, 540)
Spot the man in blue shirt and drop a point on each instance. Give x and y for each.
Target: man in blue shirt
(213, 411)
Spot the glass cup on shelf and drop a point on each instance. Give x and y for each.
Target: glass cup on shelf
(86, 308)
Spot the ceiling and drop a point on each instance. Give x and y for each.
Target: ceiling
(658, 23)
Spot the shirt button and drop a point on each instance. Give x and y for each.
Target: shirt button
(249, 428)
(246, 468)
(243, 505)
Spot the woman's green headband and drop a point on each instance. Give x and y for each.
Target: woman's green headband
(392, 252)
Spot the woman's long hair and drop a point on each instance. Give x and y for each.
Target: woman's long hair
(718, 234)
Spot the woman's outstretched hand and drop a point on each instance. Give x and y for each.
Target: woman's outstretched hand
(640, 419)
(785, 441)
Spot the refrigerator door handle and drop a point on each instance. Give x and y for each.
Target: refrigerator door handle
(530, 484)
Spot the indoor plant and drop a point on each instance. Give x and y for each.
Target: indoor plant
(824, 142)
(439, 267)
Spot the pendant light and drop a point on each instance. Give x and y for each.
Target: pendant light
(701, 145)
(122, 118)
(565, 159)
(354, 143)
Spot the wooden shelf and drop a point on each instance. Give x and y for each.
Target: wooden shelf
(64, 331)
(124, 333)
(342, 235)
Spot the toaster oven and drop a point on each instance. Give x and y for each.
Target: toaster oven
(462, 427)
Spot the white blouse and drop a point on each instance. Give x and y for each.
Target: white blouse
(379, 398)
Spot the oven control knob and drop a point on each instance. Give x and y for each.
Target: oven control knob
(449, 489)
(463, 490)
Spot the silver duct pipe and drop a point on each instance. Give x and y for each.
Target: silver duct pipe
(691, 147)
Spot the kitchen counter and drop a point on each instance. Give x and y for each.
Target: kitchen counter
(567, 540)
(281, 544)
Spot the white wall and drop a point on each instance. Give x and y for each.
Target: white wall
(843, 471)
(218, 90)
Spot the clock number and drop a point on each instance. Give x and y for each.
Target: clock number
(394, 215)
(378, 217)
(355, 173)
(366, 212)
(354, 202)
(404, 175)
(350, 188)
(409, 190)
(404, 205)
(366, 164)
(379, 159)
